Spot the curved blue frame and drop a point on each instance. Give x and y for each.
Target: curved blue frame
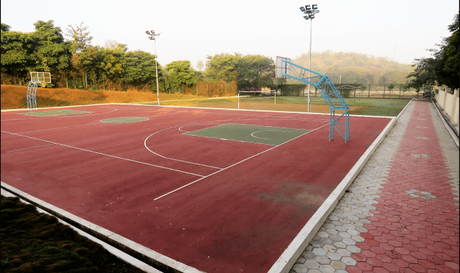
(330, 94)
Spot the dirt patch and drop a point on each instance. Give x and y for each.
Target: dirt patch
(303, 196)
(14, 97)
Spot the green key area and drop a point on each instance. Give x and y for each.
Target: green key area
(250, 133)
(55, 113)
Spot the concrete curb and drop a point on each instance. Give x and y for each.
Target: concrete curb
(144, 254)
(122, 255)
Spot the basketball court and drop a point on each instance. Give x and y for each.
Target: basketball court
(189, 189)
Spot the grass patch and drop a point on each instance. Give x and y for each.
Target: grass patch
(37, 242)
(374, 107)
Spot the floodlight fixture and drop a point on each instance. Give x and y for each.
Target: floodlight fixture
(309, 11)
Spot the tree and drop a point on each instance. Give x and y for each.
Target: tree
(223, 67)
(80, 38)
(180, 73)
(200, 65)
(139, 68)
(424, 76)
(443, 67)
(17, 49)
(255, 72)
(448, 67)
(5, 27)
(51, 53)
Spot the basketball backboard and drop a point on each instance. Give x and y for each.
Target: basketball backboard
(282, 68)
(40, 77)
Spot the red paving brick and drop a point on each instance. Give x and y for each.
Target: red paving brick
(408, 233)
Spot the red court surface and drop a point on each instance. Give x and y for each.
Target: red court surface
(213, 204)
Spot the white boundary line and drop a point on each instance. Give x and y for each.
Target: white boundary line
(290, 255)
(134, 249)
(237, 163)
(112, 156)
(29, 148)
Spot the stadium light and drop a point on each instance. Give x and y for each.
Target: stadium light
(152, 36)
(310, 14)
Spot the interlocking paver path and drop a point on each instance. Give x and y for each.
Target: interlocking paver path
(401, 212)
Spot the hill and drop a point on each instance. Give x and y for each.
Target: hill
(349, 67)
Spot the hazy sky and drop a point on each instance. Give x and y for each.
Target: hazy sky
(400, 30)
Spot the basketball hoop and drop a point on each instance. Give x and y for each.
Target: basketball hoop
(36, 78)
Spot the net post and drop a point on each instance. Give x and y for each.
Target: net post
(238, 100)
(275, 96)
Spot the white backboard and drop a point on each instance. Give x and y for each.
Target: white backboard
(282, 68)
(40, 77)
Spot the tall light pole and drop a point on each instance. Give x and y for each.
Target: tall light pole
(152, 36)
(309, 12)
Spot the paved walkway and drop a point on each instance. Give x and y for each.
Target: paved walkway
(401, 212)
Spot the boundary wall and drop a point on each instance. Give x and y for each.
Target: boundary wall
(450, 104)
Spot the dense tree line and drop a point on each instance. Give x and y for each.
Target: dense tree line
(444, 67)
(76, 63)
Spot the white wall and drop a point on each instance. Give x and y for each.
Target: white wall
(449, 102)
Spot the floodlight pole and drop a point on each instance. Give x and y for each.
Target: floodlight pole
(309, 67)
(152, 36)
(310, 12)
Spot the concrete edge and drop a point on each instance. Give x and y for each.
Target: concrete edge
(449, 130)
(118, 253)
(142, 253)
(287, 260)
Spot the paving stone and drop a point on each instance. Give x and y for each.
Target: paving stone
(319, 251)
(348, 260)
(326, 269)
(338, 265)
(334, 256)
(300, 268)
(330, 248)
(369, 219)
(323, 260)
(312, 264)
